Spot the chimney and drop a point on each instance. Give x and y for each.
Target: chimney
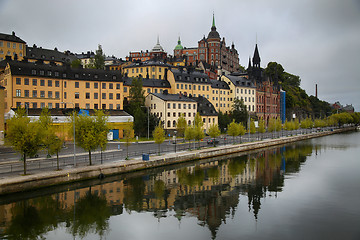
(13, 33)
(316, 95)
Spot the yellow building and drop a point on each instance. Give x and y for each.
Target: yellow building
(42, 85)
(148, 69)
(221, 96)
(243, 89)
(169, 107)
(12, 45)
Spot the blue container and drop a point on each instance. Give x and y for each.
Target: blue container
(145, 157)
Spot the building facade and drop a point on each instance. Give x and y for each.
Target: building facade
(44, 85)
(12, 45)
(169, 107)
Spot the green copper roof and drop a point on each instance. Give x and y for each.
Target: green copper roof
(179, 46)
(213, 20)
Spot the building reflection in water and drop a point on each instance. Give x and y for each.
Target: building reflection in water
(208, 190)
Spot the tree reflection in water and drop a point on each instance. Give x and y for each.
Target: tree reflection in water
(208, 190)
(91, 214)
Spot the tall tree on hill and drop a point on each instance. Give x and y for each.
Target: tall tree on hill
(99, 58)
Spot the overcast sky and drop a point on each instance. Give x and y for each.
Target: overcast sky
(318, 40)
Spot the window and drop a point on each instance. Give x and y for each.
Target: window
(65, 84)
(96, 106)
(174, 105)
(118, 106)
(96, 95)
(26, 81)
(49, 83)
(42, 94)
(118, 86)
(103, 96)
(57, 84)
(34, 93)
(111, 106)
(76, 84)
(103, 85)
(57, 94)
(42, 105)
(111, 86)
(184, 106)
(87, 95)
(42, 82)
(34, 82)
(169, 105)
(118, 96)
(34, 105)
(50, 105)
(103, 106)
(65, 95)
(18, 81)
(26, 93)
(77, 95)
(50, 94)
(18, 92)
(168, 123)
(174, 123)
(87, 106)
(125, 89)
(96, 85)
(42, 72)
(87, 85)
(168, 114)
(110, 96)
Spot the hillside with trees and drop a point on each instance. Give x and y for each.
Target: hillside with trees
(297, 100)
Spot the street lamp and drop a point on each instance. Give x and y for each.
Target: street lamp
(175, 140)
(73, 128)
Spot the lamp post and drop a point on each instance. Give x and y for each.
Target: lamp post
(175, 140)
(73, 128)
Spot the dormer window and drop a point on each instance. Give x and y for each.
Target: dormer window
(49, 73)
(42, 72)
(96, 76)
(114, 77)
(76, 75)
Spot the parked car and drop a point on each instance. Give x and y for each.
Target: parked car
(211, 141)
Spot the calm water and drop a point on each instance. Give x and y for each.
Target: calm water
(308, 190)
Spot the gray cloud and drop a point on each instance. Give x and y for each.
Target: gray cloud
(317, 40)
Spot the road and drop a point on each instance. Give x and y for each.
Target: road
(11, 164)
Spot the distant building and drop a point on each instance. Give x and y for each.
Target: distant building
(47, 56)
(207, 112)
(157, 52)
(2, 113)
(211, 50)
(12, 45)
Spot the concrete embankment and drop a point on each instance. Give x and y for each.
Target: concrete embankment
(41, 180)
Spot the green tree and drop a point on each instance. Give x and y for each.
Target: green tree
(252, 126)
(242, 130)
(275, 71)
(239, 111)
(46, 125)
(233, 129)
(99, 58)
(272, 125)
(76, 63)
(181, 125)
(261, 126)
(127, 134)
(56, 144)
(189, 134)
(159, 135)
(23, 135)
(198, 120)
(90, 132)
(214, 131)
(199, 134)
(223, 120)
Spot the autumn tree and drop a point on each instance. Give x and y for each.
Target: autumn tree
(214, 131)
(24, 135)
(159, 135)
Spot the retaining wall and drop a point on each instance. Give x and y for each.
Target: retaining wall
(31, 182)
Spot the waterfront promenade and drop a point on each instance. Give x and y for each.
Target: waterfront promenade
(51, 178)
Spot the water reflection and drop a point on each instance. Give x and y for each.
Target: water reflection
(207, 190)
